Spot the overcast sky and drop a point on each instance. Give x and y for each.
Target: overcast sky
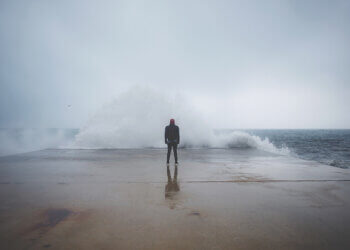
(243, 64)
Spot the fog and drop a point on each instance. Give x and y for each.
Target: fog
(239, 64)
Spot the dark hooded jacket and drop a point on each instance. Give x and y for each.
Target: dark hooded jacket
(172, 134)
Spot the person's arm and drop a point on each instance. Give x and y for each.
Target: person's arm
(165, 136)
(178, 135)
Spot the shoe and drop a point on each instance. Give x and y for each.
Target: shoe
(176, 163)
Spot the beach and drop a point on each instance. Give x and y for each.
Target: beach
(128, 199)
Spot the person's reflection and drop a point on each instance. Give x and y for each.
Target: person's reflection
(172, 187)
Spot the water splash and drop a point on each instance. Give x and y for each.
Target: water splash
(136, 119)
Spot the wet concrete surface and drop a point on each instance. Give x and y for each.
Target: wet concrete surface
(129, 199)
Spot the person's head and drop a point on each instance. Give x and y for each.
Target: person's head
(172, 121)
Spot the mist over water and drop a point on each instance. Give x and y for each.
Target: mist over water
(21, 140)
(136, 119)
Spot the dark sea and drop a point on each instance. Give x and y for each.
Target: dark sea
(328, 146)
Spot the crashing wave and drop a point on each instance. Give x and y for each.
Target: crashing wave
(137, 118)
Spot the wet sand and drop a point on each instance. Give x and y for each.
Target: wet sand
(128, 199)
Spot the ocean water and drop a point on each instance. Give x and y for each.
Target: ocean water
(331, 147)
(328, 146)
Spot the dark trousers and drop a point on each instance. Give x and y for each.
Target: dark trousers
(174, 146)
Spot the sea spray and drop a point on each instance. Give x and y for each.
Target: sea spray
(136, 119)
(21, 140)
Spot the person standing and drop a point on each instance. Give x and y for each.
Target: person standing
(172, 139)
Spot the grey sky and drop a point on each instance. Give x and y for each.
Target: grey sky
(243, 64)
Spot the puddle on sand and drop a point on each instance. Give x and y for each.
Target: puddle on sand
(51, 217)
(195, 213)
(48, 218)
